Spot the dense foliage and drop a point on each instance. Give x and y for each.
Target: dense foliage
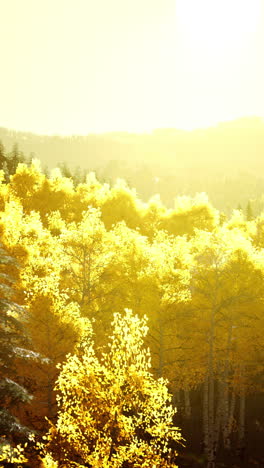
(112, 412)
(89, 250)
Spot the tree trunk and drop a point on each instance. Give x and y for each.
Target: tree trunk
(228, 411)
(187, 403)
(219, 414)
(50, 385)
(211, 389)
(176, 398)
(242, 411)
(231, 416)
(205, 416)
(161, 348)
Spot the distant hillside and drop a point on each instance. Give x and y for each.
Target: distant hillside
(226, 161)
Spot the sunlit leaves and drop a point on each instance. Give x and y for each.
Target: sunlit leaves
(86, 251)
(112, 410)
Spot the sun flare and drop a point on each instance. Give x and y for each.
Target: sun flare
(215, 26)
(130, 66)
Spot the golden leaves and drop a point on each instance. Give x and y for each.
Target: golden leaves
(109, 407)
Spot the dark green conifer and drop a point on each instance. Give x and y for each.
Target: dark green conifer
(249, 211)
(2, 156)
(14, 158)
(13, 346)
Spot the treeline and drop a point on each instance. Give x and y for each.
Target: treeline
(224, 161)
(145, 181)
(75, 254)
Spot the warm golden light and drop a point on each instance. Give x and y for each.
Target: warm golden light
(218, 27)
(133, 66)
(219, 40)
(132, 264)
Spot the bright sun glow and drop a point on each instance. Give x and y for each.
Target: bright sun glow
(218, 39)
(216, 26)
(130, 65)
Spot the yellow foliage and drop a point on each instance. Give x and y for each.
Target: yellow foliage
(88, 250)
(112, 410)
(9, 454)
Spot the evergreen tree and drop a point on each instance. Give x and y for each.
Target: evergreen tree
(14, 158)
(12, 342)
(65, 170)
(79, 176)
(249, 211)
(2, 156)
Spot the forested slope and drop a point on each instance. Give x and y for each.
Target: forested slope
(225, 161)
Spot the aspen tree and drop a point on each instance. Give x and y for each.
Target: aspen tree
(112, 412)
(227, 278)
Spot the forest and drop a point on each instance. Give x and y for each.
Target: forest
(225, 161)
(131, 332)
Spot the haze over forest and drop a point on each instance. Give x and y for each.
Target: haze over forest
(225, 161)
(132, 234)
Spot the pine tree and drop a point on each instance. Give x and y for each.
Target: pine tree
(14, 158)
(12, 344)
(2, 156)
(249, 212)
(65, 170)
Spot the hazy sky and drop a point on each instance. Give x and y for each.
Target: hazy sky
(81, 66)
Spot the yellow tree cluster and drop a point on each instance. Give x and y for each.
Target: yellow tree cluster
(112, 411)
(90, 250)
